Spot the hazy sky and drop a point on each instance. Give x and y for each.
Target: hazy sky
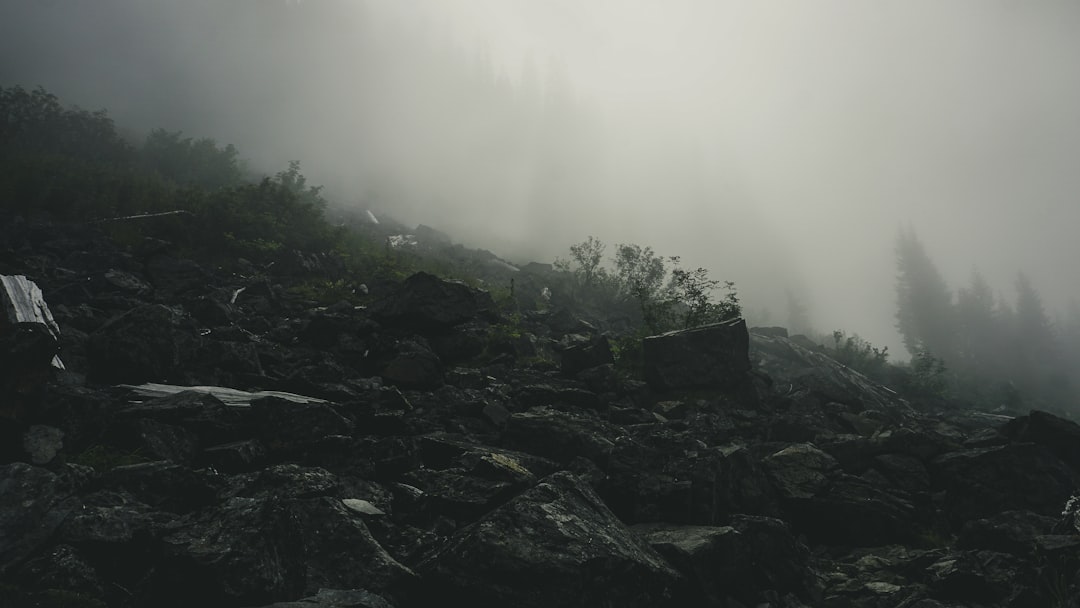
(780, 143)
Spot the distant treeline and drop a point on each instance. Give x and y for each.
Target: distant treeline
(987, 350)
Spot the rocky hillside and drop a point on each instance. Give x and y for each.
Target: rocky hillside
(244, 438)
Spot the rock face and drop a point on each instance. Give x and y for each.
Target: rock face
(410, 454)
(711, 356)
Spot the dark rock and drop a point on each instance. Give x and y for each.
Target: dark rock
(430, 303)
(560, 436)
(413, 366)
(151, 343)
(244, 552)
(62, 567)
(981, 576)
(1060, 436)
(290, 429)
(234, 457)
(33, 504)
(581, 357)
(709, 356)
(337, 598)
(42, 443)
(746, 561)
(803, 371)
(166, 486)
(1006, 532)
(174, 276)
(202, 416)
(981, 482)
(554, 545)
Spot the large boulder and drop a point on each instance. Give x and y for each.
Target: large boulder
(424, 301)
(555, 545)
(714, 355)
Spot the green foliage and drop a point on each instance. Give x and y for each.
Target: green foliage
(640, 274)
(35, 123)
(687, 300)
(258, 220)
(690, 294)
(584, 263)
(927, 376)
(191, 162)
(858, 354)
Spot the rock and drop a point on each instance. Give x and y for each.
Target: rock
(33, 504)
(427, 302)
(804, 371)
(1006, 532)
(291, 429)
(29, 343)
(1060, 436)
(554, 545)
(337, 598)
(42, 443)
(981, 482)
(151, 343)
(560, 436)
(709, 356)
(730, 561)
(203, 415)
(801, 471)
(581, 357)
(413, 366)
(172, 276)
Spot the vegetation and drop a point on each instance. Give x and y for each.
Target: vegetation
(657, 295)
(977, 347)
(967, 344)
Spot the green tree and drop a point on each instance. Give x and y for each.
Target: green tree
(191, 162)
(691, 296)
(640, 276)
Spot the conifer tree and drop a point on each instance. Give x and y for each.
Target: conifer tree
(925, 316)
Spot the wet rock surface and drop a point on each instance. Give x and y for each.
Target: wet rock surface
(443, 455)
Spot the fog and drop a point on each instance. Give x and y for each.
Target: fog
(782, 145)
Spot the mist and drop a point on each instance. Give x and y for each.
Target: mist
(782, 145)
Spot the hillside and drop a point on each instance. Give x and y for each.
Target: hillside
(258, 407)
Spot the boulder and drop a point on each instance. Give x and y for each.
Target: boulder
(554, 545)
(714, 355)
(981, 482)
(1060, 436)
(580, 357)
(725, 562)
(427, 302)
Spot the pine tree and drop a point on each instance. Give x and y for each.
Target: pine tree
(925, 315)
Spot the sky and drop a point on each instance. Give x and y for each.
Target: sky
(781, 144)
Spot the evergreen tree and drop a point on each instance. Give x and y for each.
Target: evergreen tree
(925, 315)
(980, 332)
